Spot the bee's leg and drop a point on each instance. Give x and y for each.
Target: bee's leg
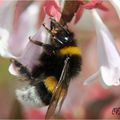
(49, 49)
(24, 72)
(39, 43)
(49, 31)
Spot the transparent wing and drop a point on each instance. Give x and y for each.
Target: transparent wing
(60, 91)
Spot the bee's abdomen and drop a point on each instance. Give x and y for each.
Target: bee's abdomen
(46, 88)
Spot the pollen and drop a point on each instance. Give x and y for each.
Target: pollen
(71, 50)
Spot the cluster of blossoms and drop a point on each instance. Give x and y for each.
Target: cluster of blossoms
(14, 42)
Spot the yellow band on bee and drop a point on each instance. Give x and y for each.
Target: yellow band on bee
(50, 83)
(71, 50)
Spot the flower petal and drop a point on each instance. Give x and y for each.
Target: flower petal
(32, 52)
(95, 4)
(12, 70)
(116, 4)
(109, 58)
(7, 13)
(4, 46)
(92, 78)
(108, 53)
(79, 14)
(92, 4)
(52, 8)
(102, 7)
(110, 77)
(19, 38)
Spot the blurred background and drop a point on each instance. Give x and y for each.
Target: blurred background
(92, 101)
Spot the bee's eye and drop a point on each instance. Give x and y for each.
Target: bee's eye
(66, 39)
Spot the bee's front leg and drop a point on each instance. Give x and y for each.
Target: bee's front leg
(49, 49)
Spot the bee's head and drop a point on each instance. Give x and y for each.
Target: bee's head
(60, 35)
(62, 38)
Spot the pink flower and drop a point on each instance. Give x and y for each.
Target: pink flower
(51, 8)
(90, 4)
(18, 45)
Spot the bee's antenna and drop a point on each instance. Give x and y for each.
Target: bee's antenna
(47, 29)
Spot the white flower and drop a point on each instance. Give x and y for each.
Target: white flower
(26, 26)
(14, 44)
(116, 4)
(109, 58)
(6, 14)
(4, 36)
(17, 45)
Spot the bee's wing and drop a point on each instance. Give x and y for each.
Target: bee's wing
(62, 85)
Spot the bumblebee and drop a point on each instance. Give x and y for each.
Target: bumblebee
(60, 63)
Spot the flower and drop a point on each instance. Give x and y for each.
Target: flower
(18, 43)
(109, 58)
(19, 38)
(51, 8)
(31, 53)
(116, 4)
(88, 4)
(4, 36)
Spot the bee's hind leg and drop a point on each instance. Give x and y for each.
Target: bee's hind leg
(21, 69)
